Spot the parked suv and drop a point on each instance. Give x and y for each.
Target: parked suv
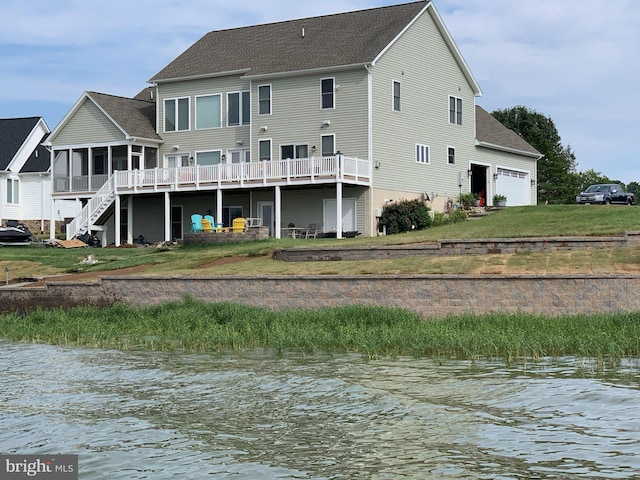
(604, 194)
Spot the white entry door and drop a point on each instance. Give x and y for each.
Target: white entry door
(348, 215)
(238, 155)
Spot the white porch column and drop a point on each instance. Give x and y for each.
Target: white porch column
(339, 210)
(278, 212)
(52, 219)
(167, 217)
(109, 161)
(117, 221)
(219, 206)
(130, 219)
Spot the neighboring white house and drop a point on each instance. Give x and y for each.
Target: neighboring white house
(25, 181)
(319, 121)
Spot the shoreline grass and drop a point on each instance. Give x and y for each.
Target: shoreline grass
(194, 326)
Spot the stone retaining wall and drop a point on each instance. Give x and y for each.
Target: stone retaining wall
(429, 295)
(481, 246)
(251, 235)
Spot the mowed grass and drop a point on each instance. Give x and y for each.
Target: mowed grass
(192, 326)
(255, 258)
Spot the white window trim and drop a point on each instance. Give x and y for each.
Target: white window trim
(240, 105)
(454, 155)
(295, 147)
(335, 145)
(333, 93)
(177, 155)
(393, 96)
(455, 110)
(195, 103)
(164, 114)
(270, 140)
(270, 99)
(419, 153)
(15, 194)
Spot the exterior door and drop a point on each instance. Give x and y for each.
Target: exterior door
(348, 215)
(265, 211)
(176, 222)
(238, 155)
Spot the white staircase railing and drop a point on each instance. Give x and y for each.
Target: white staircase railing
(93, 210)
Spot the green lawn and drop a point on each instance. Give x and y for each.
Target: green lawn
(552, 220)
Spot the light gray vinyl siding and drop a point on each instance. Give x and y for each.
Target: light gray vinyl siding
(297, 118)
(35, 197)
(204, 139)
(428, 73)
(88, 126)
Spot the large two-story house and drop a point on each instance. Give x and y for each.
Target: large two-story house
(319, 121)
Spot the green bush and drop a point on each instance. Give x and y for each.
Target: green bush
(405, 216)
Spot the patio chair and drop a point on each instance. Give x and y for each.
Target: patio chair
(239, 225)
(196, 223)
(206, 226)
(312, 231)
(215, 226)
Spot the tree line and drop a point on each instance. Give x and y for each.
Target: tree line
(558, 180)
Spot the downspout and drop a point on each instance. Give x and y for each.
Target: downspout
(372, 217)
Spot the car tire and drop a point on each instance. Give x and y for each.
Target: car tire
(607, 201)
(629, 202)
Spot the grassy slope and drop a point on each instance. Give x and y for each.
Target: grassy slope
(555, 220)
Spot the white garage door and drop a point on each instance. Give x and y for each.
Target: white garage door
(515, 186)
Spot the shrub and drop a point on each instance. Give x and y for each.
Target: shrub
(405, 216)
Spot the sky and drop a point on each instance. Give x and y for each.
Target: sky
(575, 61)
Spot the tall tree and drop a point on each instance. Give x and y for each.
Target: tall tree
(557, 178)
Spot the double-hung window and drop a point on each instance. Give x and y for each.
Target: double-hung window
(328, 145)
(208, 111)
(265, 150)
(13, 191)
(451, 155)
(238, 108)
(422, 154)
(455, 110)
(264, 100)
(396, 96)
(327, 93)
(176, 114)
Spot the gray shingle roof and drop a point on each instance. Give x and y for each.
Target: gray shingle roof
(13, 133)
(39, 160)
(329, 41)
(493, 133)
(136, 117)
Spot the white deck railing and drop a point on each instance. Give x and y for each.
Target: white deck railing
(298, 171)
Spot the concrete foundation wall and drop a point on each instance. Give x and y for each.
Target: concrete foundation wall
(429, 295)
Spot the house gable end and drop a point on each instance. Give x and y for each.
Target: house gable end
(87, 124)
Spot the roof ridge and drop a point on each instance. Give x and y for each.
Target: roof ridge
(326, 15)
(120, 96)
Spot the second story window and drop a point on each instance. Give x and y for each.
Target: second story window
(238, 109)
(455, 110)
(396, 96)
(327, 93)
(264, 100)
(176, 114)
(208, 111)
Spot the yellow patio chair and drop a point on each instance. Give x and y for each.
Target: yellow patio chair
(206, 225)
(239, 225)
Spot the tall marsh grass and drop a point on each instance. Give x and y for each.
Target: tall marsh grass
(192, 326)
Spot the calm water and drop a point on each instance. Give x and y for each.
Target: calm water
(256, 415)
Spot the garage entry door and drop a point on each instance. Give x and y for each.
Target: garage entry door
(515, 186)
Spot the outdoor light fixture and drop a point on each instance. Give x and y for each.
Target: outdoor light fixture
(176, 147)
(239, 142)
(533, 182)
(377, 164)
(469, 172)
(495, 176)
(264, 129)
(326, 123)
